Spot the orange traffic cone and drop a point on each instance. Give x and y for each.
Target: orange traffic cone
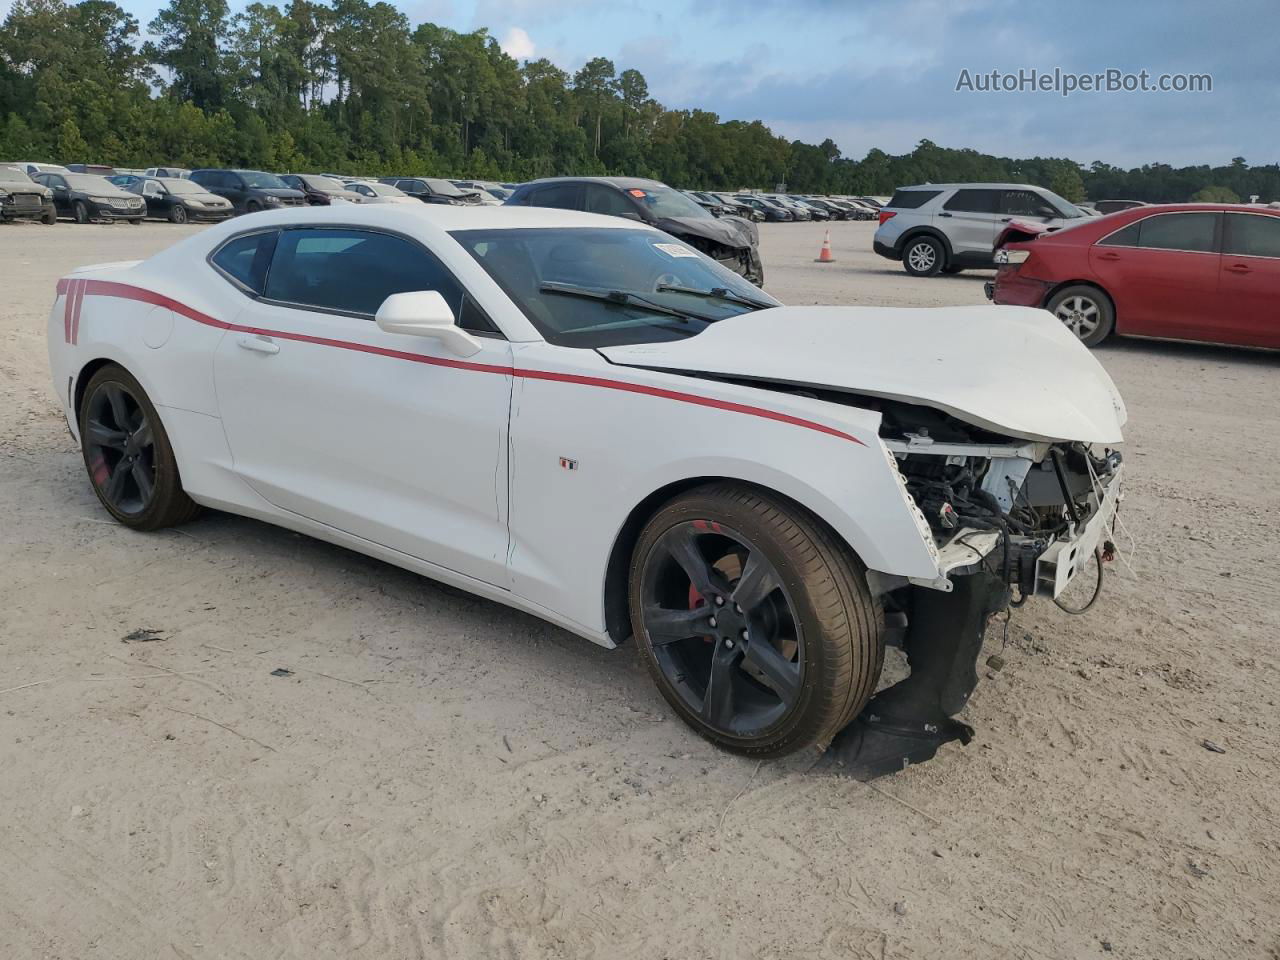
(824, 255)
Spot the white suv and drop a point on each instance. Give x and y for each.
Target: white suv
(946, 227)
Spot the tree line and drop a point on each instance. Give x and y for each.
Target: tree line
(353, 86)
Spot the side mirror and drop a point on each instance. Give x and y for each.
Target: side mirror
(424, 313)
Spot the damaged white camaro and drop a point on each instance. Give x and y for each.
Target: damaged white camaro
(585, 419)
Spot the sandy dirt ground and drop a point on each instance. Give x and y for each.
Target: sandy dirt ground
(438, 776)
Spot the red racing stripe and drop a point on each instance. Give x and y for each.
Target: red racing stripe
(110, 288)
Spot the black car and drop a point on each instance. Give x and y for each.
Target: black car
(730, 240)
(21, 198)
(249, 190)
(772, 212)
(432, 190)
(319, 190)
(175, 199)
(85, 196)
(737, 208)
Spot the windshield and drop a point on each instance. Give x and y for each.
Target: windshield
(443, 187)
(499, 192)
(1065, 208)
(551, 274)
(665, 202)
(174, 185)
(262, 181)
(323, 184)
(384, 189)
(90, 183)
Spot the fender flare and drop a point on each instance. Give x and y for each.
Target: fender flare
(931, 232)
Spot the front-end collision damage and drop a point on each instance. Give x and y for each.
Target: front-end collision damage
(1007, 520)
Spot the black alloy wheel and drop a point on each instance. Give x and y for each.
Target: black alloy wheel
(119, 448)
(722, 627)
(754, 619)
(178, 213)
(128, 455)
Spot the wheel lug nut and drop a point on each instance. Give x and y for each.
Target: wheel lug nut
(737, 607)
(744, 634)
(712, 621)
(719, 601)
(729, 644)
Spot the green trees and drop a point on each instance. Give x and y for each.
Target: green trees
(351, 85)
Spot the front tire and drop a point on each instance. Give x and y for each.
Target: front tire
(80, 212)
(49, 219)
(178, 214)
(128, 455)
(1084, 310)
(754, 620)
(923, 257)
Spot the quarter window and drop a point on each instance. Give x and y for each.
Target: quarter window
(1252, 235)
(246, 259)
(353, 271)
(1124, 237)
(972, 201)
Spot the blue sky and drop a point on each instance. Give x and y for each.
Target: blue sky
(883, 72)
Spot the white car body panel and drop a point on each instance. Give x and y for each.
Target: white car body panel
(511, 473)
(968, 361)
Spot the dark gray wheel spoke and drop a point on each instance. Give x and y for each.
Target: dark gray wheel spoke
(718, 701)
(757, 582)
(683, 547)
(115, 483)
(119, 408)
(142, 477)
(667, 626)
(782, 676)
(103, 436)
(142, 436)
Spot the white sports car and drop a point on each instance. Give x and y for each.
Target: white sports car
(583, 418)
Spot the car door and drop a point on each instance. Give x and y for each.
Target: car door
(1249, 281)
(1162, 274)
(387, 437)
(1027, 206)
(61, 192)
(156, 198)
(968, 218)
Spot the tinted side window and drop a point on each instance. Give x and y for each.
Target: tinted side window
(246, 259)
(1252, 235)
(1124, 237)
(564, 196)
(1179, 231)
(911, 199)
(972, 201)
(353, 271)
(601, 199)
(1025, 203)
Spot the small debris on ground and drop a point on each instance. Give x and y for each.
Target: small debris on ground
(1106, 946)
(1197, 869)
(1212, 747)
(142, 635)
(900, 908)
(995, 662)
(282, 672)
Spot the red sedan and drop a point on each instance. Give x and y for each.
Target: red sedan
(1206, 272)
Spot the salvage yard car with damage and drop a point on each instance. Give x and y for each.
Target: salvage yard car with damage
(591, 421)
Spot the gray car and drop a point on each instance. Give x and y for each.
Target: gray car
(945, 227)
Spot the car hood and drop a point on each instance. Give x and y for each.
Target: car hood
(1013, 370)
(710, 228)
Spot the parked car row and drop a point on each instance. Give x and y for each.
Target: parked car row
(776, 208)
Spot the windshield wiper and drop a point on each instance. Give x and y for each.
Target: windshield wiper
(621, 298)
(717, 293)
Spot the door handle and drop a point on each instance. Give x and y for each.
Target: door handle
(1238, 268)
(259, 345)
(944, 214)
(1108, 256)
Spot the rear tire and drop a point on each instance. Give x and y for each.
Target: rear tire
(128, 455)
(803, 654)
(1084, 310)
(923, 257)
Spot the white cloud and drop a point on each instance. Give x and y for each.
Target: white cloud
(517, 43)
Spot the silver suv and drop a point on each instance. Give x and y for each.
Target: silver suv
(946, 227)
